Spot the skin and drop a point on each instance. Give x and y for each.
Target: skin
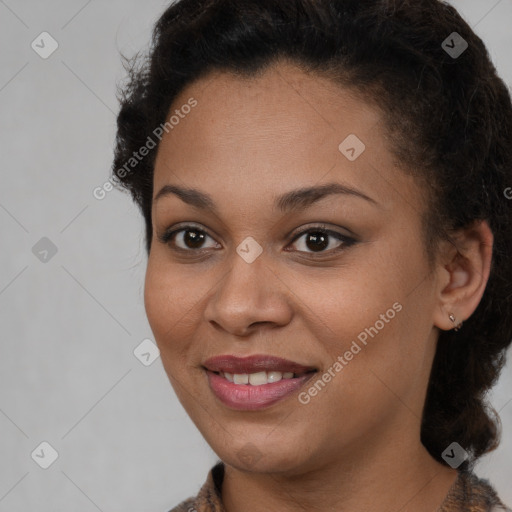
(357, 443)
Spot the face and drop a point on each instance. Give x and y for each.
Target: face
(250, 267)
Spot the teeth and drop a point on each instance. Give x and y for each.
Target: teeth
(275, 376)
(258, 378)
(241, 378)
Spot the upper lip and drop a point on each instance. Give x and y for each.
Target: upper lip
(253, 364)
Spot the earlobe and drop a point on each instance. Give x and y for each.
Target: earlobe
(457, 327)
(467, 268)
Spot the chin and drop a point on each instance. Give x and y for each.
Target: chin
(263, 455)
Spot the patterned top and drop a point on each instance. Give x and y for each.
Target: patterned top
(468, 494)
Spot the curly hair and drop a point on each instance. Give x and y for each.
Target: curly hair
(449, 123)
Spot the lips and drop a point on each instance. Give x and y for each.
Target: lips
(254, 382)
(254, 364)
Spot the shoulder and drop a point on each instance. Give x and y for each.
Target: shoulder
(185, 506)
(209, 498)
(473, 493)
(500, 508)
(481, 490)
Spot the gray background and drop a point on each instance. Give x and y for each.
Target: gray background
(68, 374)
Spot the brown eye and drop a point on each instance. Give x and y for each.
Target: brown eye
(318, 240)
(188, 238)
(193, 239)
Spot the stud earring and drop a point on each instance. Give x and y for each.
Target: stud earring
(451, 316)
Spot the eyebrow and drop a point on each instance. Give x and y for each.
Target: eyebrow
(293, 200)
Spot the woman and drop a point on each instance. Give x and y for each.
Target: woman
(329, 278)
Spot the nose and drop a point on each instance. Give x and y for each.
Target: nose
(249, 296)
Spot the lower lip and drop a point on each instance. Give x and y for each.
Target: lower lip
(245, 397)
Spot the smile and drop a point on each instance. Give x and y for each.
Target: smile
(257, 379)
(254, 382)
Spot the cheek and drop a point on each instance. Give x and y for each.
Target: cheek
(367, 375)
(362, 324)
(363, 313)
(377, 364)
(339, 304)
(171, 299)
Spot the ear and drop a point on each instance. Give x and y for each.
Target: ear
(464, 267)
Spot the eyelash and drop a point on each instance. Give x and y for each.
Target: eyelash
(347, 241)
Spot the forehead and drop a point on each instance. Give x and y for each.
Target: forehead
(279, 130)
(282, 98)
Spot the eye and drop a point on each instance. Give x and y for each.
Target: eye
(321, 240)
(187, 238)
(316, 240)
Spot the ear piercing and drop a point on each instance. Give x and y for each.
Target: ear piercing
(451, 316)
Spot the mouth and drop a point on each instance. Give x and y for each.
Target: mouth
(254, 382)
(259, 378)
